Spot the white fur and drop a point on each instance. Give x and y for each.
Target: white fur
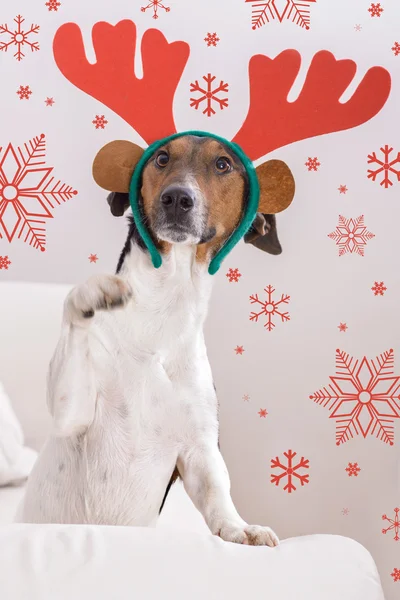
(132, 396)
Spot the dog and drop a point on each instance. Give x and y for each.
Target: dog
(130, 388)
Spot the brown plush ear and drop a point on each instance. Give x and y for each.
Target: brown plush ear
(264, 235)
(276, 186)
(114, 164)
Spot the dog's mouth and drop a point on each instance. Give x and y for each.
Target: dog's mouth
(176, 233)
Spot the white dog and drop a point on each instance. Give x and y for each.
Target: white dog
(130, 387)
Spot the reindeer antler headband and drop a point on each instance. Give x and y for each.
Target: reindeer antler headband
(272, 121)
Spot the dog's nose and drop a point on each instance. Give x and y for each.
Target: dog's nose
(176, 200)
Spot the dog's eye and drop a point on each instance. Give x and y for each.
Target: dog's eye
(162, 159)
(223, 164)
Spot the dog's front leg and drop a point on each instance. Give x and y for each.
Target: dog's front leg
(71, 389)
(206, 480)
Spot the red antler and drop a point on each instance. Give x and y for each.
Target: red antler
(273, 122)
(146, 103)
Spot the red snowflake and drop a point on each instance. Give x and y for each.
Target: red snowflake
(100, 122)
(246, 397)
(378, 288)
(4, 262)
(155, 5)
(394, 524)
(345, 511)
(233, 275)
(239, 349)
(357, 27)
(343, 189)
(395, 574)
(376, 10)
(49, 101)
(351, 235)
(342, 327)
(396, 48)
(264, 11)
(290, 471)
(262, 412)
(209, 95)
(24, 92)
(312, 164)
(19, 37)
(28, 192)
(353, 469)
(53, 5)
(93, 258)
(211, 39)
(385, 166)
(363, 397)
(270, 308)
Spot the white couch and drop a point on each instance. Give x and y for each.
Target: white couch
(177, 560)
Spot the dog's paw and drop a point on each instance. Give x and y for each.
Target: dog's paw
(252, 535)
(100, 292)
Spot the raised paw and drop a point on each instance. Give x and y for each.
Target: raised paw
(100, 292)
(252, 535)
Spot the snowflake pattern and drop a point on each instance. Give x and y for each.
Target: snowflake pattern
(357, 27)
(262, 412)
(385, 166)
(93, 258)
(24, 92)
(4, 262)
(363, 397)
(239, 350)
(53, 5)
(209, 95)
(19, 37)
(264, 11)
(155, 5)
(345, 511)
(100, 121)
(49, 101)
(379, 288)
(353, 469)
(233, 275)
(351, 235)
(342, 327)
(396, 48)
(376, 10)
(246, 397)
(211, 39)
(28, 192)
(290, 470)
(312, 164)
(395, 574)
(394, 524)
(270, 308)
(343, 189)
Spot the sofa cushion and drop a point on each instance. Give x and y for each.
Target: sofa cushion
(87, 562)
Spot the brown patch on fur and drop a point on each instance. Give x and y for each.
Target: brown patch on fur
(225, 194)
(193, 159)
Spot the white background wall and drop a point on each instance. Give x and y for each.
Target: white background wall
(280, 369)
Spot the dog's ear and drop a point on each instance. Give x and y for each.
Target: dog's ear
(263, 234)
(276, 186)
(118, 203)
(114, 164)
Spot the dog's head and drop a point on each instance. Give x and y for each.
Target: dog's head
(194, 191)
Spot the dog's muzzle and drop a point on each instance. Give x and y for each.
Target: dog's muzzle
(178, 218)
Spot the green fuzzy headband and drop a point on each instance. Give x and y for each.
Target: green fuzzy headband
(244, 225)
